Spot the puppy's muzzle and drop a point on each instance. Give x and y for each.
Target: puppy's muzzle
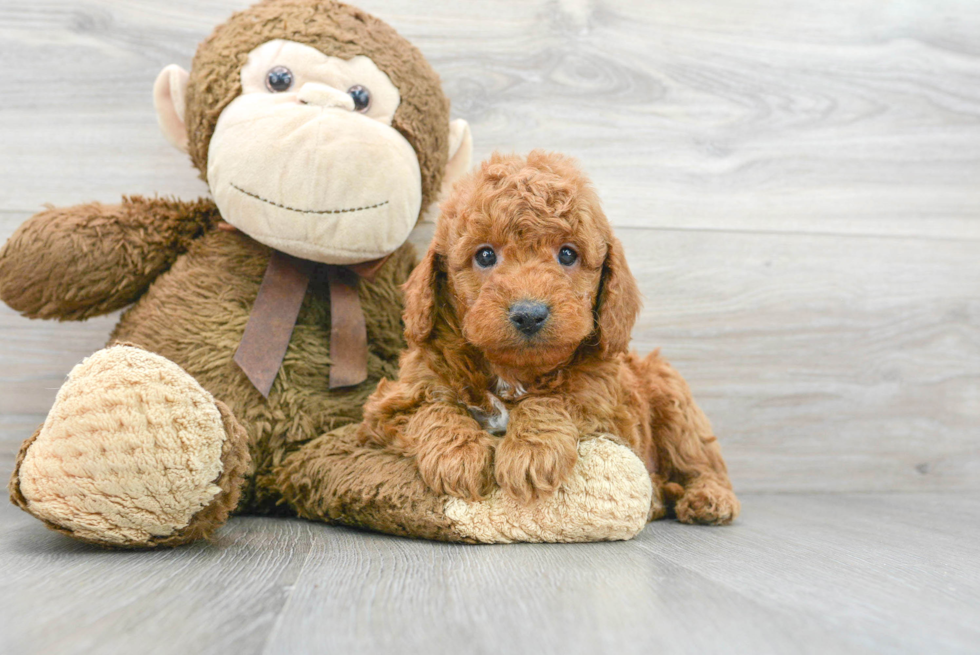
(529, 316)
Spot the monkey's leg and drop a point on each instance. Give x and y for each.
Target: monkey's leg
(134, 454)
(332, 478)
(687, 452)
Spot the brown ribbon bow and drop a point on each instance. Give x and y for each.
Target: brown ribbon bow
(273, 317)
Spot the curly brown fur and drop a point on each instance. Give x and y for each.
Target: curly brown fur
(572, 377)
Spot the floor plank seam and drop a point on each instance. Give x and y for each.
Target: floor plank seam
(281, 614)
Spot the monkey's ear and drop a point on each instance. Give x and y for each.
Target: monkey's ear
(460, 154)
(619, 302)
(420, 299)
(169, 98)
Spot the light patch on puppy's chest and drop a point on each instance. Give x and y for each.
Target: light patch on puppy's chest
(509, 391)
(494, 421)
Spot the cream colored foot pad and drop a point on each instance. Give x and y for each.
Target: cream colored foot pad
(130, 451)
(607, 498)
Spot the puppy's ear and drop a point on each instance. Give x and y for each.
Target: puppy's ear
(618, 303)
(420, 299)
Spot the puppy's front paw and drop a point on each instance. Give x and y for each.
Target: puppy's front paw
(531, 469)
(460, 466)
(708, 503)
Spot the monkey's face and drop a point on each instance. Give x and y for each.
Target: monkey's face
(306, 161)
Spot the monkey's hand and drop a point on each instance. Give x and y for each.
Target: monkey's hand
(77, 262)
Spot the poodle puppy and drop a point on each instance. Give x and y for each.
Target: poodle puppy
(518, 321)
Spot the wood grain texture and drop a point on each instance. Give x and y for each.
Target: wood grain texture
(796, 186)
(61, 596)
(825, 573)
(854, 117)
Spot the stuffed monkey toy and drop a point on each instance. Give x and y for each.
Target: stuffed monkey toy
(259, 320)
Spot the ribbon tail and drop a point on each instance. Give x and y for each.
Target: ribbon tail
(273, 317)
(348, 330)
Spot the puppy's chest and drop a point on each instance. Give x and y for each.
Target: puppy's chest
(494, 413)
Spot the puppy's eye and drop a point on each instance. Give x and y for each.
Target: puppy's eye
(361, 97)
(485, 257)
(567, 256)
(279, 79)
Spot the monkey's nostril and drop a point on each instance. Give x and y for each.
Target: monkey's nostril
(529, 316)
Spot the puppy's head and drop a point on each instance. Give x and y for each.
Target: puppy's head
(525, 267)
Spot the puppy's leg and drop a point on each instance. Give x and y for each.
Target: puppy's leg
(687, 452)
(539, 450)
(454, 453)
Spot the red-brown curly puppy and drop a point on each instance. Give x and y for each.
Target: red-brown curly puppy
(518, 321)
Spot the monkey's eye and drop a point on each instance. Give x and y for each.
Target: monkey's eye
(567, 256)
(279, 79)
(361, 97)
(485, 257)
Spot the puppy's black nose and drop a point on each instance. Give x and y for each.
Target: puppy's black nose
(529, 316)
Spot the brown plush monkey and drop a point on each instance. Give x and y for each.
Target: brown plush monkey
(323, 135)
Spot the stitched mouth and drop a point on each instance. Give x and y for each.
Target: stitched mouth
(307, 211)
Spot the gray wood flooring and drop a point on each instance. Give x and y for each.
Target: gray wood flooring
(798, 188)
(816, 573)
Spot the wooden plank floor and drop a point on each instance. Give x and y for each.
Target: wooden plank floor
(823, 573)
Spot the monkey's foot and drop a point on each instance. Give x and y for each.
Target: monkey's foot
(134, 453)
(607, 497)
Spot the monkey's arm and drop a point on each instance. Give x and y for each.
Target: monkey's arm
(73, 263)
